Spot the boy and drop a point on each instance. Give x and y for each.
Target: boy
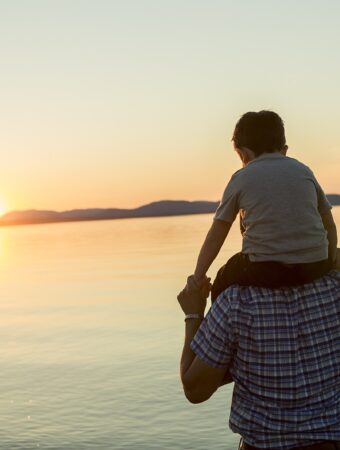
(289, 235)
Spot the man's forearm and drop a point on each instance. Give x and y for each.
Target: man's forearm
(191, 327)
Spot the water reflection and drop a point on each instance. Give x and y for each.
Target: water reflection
(91, 332)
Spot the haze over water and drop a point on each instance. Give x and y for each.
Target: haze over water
(91, 335)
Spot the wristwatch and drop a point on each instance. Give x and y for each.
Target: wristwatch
(193, 316)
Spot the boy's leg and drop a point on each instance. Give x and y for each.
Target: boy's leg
(272, 274)
(240, 270)
(233, 272)
(337, 263)
(312, 271)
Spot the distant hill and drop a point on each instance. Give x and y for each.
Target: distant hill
(155, 209)
(334, 199)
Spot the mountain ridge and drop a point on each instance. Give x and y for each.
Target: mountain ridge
(155, 209)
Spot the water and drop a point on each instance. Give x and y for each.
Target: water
(91, 335)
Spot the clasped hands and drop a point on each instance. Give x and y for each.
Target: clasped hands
(193, 298)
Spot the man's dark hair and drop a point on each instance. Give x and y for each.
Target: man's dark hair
(261, 132)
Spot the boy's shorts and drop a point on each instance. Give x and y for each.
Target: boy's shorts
(271, 274)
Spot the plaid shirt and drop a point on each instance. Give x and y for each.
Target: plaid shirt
(282, 347)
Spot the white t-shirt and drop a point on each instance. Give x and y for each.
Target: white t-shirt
(280, 203)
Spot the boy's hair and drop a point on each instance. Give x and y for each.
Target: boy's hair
(261, 132)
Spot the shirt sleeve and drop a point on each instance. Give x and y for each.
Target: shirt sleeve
(323, 204)
(229, 205)
(213, 340)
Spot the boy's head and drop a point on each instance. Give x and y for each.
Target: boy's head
(260, 132)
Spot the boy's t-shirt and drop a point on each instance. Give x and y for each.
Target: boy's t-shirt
(280, 203)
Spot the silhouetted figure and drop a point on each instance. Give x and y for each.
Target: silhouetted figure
(289, 235)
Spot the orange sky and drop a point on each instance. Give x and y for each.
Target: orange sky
(118, 106)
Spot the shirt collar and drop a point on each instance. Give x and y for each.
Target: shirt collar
(274, 155)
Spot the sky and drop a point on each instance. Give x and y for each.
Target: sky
(108, 103)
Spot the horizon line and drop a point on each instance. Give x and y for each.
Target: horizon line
(160, 208)
(122, 208)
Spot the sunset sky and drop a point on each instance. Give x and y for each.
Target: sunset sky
(108, 103)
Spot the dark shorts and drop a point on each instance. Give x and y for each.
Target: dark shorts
(271, 274)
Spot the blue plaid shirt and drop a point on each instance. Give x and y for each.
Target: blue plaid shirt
(282, 347)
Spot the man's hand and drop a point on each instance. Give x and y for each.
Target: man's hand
(199, 380)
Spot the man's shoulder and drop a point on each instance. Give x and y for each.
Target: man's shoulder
(236, 296)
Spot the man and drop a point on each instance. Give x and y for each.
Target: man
(281, 348)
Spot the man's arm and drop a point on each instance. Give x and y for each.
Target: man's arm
(211, 247)
(330, 227)
(199, 379)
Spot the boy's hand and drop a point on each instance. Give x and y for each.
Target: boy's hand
(193, 300)
(194, 282)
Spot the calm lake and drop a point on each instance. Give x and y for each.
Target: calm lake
(91, 335)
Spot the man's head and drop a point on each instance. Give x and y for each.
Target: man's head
(260, 132)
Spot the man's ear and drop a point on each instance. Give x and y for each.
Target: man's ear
(284, 150)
